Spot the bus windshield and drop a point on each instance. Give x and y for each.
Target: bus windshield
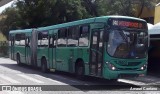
(127, 43)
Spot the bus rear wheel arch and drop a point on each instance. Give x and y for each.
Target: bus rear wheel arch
(79, 69)
(44, 65)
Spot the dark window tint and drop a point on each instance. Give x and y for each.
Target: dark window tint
(52, 41)
(43, 39)
(84, 35)
(11, 40)
(20, 39)
(73, 35)
(62, 38)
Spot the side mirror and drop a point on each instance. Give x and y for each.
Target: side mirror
(27, 45)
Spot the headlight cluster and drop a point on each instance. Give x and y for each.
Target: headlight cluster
(143, 67)
(111, 66)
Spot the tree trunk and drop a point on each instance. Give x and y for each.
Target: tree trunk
(141, 10)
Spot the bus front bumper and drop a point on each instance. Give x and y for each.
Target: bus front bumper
(109, 74)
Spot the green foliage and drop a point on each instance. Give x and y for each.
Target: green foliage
(10, 20)
(38, 13)
(49, 12)
(3, 48)
(124, 7)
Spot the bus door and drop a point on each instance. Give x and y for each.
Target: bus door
(27, 50)
(96, 53)
(34, 48)
(51, 51)
(12, 47)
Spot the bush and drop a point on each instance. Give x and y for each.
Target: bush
(4, 48)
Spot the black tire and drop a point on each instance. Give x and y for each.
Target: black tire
(44, 66)
(18, 59)
(80, 72)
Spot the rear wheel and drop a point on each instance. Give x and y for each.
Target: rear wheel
(18, 59)
(44, 66)
(80, 71)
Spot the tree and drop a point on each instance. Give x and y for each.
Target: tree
(145, 3)
(115, 7)
(125, 7)
(91, 7)
(39, 13)
(48, 12)
(10, 20)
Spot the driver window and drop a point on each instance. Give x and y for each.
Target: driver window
(115, 40)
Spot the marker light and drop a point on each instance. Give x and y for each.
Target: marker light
(143, 67)
(111, 66)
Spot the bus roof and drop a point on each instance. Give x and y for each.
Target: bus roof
(125, 17)
(85, 21)
(78, 22)
(20, 31)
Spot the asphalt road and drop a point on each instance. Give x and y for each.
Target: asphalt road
(26, 80)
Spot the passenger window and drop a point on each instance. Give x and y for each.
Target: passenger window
(11, 40)
(20, 39)
(43, 39)
(52, 41)
(84, 36)
(62, 38)
(73, 34)
(27, 41)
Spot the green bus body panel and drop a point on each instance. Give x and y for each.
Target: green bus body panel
(51, 58)
(25, 53)
(21, 51)
(64, 58)
(41, 52)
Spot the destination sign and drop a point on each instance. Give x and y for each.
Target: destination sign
(127, 23)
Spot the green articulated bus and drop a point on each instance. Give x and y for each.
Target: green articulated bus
(109, 47)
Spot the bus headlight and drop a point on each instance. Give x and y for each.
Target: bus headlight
(143, 67)
(111, 66)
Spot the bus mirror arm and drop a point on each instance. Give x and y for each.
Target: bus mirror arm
(27, 45)
(106, 37)
(106, 33)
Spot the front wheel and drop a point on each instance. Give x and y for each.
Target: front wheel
(18, 60)
(44, 66)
